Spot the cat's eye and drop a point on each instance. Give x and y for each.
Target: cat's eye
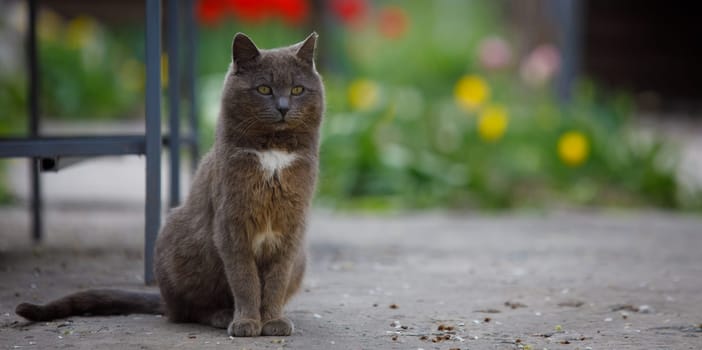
(297, 90)
(264, 90)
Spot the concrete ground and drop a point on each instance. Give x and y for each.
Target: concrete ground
(558, 281)
(437, 280)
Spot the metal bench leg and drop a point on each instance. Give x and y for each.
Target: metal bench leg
(153, 134)
(569, 23)
(37, 203)
(33, 100)
(191, 63)
(174, 100)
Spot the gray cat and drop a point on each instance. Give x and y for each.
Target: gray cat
(233, 254)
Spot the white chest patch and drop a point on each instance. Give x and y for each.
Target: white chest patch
(273, 161)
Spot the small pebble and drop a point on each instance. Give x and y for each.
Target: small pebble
(645, 309)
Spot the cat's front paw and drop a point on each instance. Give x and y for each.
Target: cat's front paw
(244, 328)
(279, 326)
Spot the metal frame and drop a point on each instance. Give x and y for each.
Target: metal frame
(174, 140)
(191, 81)
(33, 98)
(172, 33)
(569, 15)
(46, 152)
(153, 134)
(74, 146)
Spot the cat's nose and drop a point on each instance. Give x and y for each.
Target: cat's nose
(283, 105)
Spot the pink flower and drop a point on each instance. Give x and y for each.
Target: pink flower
(540, 65)
(393, 22)
(494, 53)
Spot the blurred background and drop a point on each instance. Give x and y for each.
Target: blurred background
(482, 104)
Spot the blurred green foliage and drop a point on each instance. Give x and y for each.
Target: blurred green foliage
(86, 72)
(417, 114)
(417, 148)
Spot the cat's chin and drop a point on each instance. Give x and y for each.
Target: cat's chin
(280, 126)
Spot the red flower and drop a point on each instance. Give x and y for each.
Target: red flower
(292, 11)
(393, 22)
(250, 10)
(350, 11)
(209, 12)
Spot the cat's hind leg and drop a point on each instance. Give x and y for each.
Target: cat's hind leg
(218, 319)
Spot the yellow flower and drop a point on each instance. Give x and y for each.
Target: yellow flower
(363, 94)
(164, 70)
(573, 148)
(131, 74)
(50, 25)
(81, 31)
(470, 92)
(492, 123)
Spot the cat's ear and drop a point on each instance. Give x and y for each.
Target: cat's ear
(305, 51)
(243, 49)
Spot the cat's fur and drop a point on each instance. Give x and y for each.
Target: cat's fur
(233, 254)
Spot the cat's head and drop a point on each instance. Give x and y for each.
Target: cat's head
(273, 90)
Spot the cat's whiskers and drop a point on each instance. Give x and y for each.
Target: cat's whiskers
(247, 125)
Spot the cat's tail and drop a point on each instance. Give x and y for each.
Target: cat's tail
(94, 302)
